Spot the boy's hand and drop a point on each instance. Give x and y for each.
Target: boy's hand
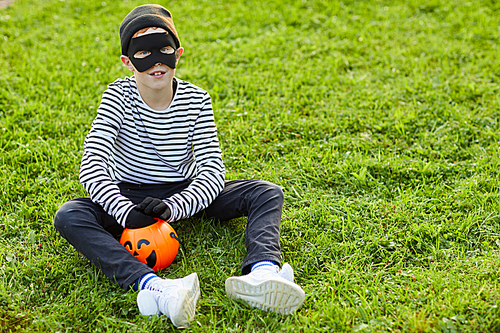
(155, 207)
(136, 219)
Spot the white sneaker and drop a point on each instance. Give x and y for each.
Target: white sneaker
(267, 290)
(175, 298)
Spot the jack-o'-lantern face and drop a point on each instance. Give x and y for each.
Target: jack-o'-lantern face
(155, 245)
(142, 251)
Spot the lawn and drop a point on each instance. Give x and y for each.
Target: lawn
(380, 120)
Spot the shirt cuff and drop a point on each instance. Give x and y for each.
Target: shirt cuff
(173, 211)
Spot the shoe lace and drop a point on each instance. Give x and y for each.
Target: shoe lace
(159, 286)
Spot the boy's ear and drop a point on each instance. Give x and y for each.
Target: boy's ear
(126, 61)
(178, 53)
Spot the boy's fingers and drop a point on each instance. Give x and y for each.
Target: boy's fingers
(153, 205)
(150, 207)
(145, 203)
(160, 208)
(165, 216)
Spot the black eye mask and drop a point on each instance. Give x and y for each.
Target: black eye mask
(152, 43)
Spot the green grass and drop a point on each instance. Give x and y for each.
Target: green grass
(380, 119)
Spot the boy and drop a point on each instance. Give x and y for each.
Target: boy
(153, 152)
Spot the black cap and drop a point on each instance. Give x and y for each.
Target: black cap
(146, 16)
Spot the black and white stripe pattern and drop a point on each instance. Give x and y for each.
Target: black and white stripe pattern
(130, 142)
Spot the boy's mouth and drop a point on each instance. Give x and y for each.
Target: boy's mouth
(157, 73)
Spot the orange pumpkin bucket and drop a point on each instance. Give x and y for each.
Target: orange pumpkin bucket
(155, 245)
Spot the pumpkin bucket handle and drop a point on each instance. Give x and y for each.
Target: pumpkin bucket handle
(172, 234)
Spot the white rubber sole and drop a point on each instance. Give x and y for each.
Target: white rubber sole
(187, 299)
(275, 295)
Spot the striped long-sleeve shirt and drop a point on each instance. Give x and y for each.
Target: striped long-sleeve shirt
(130, 142)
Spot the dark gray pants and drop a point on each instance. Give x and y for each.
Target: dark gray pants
(86, 226)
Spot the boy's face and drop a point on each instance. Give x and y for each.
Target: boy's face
(159, 74)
